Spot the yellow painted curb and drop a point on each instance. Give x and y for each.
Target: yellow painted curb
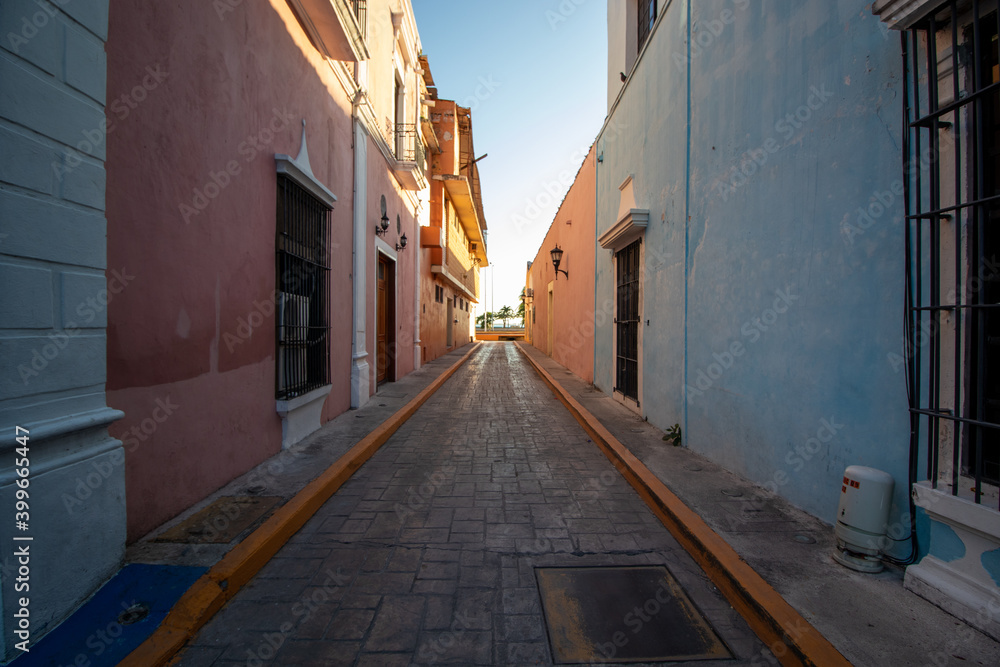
(789, 636)
(217, 586)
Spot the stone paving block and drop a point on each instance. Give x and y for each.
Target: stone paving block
(423, 535)
(376, 559)
(404, 560)
(440, 612)
(291, 568)
(384, 660)
(311, 653)
(199, 656)
(482, 576)
(457, 648)
(536, 653)
(524, 628)
(396, 624)
(383, 583)
(350, 624)
(314, 619)
(435, 586)
(438, 570)
(273, 590)
(521, 601)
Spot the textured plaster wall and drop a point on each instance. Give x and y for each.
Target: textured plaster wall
(572, 297)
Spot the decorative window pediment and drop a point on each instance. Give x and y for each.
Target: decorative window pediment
(631, 223)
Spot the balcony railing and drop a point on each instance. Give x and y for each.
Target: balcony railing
(360, 8)
(405, 143)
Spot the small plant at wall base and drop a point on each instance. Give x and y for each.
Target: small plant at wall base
(673, 435)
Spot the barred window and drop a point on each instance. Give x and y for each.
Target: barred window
(952, 154)
(647, 17)
(302, 247)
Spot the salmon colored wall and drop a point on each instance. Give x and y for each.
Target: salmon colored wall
(573, 297)
(434, 315)
(194, 326)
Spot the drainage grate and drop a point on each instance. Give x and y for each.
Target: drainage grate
(623, 614)
(222, 521)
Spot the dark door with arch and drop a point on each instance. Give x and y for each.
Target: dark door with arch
(385, 324)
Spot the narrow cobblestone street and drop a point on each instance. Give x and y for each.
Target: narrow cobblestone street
(427, 555)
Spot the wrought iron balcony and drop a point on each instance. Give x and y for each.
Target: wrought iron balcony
(406, 146)
(360, 8)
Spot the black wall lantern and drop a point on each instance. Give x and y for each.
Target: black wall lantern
(557, 255)
(402, 243)
(380, 230)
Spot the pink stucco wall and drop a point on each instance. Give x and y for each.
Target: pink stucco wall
(193, 328)
(572, 297)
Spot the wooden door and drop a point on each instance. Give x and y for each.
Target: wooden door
(382, 322)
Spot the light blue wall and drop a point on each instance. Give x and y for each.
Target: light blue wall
(815, 378)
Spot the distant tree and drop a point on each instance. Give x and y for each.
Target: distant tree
(505, 314)
(485, 320)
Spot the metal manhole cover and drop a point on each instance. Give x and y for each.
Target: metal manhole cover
(222, 521)
(623, 614)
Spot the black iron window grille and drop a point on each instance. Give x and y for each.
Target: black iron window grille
(303, 291)
(360, 8)
(647, 17)
(952, 179)
(627, 321)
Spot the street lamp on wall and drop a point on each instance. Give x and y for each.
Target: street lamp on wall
(402, 243)
(557, 255)
(381, 229)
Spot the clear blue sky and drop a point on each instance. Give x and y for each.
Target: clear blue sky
(534, 73)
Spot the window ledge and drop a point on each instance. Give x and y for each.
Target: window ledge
(903, 14)
(302, 415)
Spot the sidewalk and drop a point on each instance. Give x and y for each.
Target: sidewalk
(156, 575)
(870, 619)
